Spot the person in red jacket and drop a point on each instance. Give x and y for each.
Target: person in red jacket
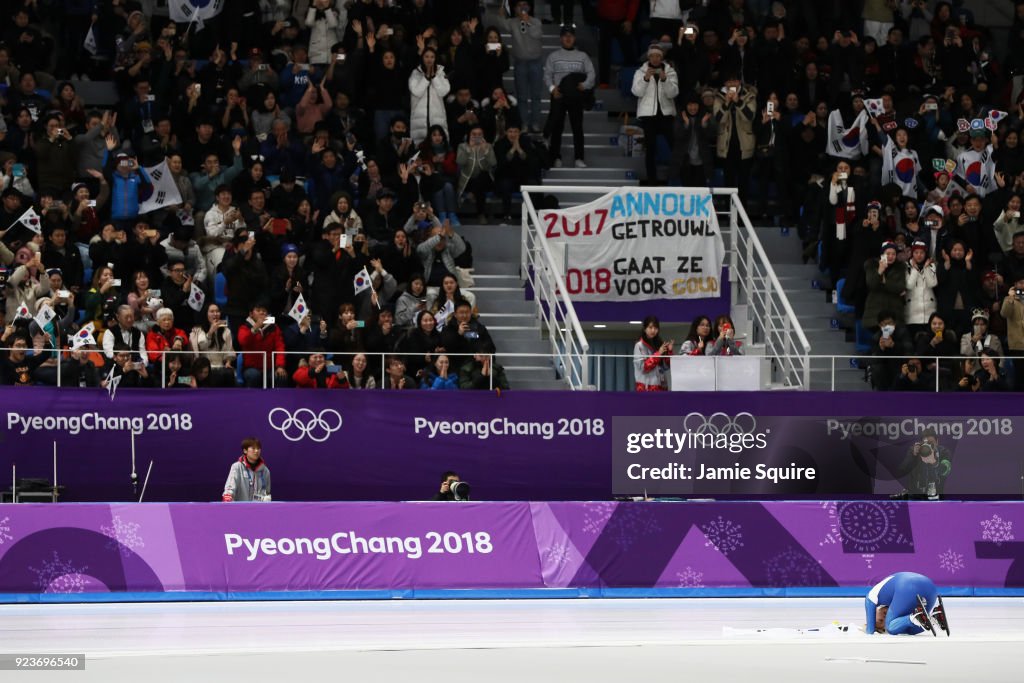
(615, 19)
(316, 374)
(165, 336)
(260, 333)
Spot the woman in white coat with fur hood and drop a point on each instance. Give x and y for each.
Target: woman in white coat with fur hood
(656, 84)
(428, 87)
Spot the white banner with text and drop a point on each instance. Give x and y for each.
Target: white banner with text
(635, 244)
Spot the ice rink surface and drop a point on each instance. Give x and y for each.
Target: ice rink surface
(511, 640)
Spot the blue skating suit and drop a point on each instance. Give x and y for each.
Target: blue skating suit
(899, 593)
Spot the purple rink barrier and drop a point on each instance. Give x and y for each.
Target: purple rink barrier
(151, 551)
(377, 445)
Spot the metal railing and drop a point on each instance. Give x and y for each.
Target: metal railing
(381, 359)
(538, 267)
(773, 322)
(824, 370)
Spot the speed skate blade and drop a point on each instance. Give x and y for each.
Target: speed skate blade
(939, 615)
(922, 617)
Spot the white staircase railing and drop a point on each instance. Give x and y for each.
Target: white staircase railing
(569, 344)
(773, 323)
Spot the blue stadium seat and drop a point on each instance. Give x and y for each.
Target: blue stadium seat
(842, 306)
(220, 290)
(863, 338)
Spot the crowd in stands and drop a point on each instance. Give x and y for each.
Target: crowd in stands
(329, 149)
(888, 131)
(278, 176)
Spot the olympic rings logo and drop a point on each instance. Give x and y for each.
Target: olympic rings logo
(720, 423)
(305, 423)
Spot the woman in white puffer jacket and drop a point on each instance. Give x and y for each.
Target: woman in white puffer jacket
(322, 20)
(656, 84)
(921, 283)
(428, 87)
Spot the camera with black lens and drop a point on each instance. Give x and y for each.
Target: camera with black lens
(460, 490)
(925, 450)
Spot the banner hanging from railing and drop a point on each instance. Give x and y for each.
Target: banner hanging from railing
(637, 244)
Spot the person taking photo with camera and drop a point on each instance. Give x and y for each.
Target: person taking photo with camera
(927, 465)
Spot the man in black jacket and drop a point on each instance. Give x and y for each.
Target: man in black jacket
(464, 335)
(143, 252)
(519, 162)
(57, 253)
(334, 267)
(247, 280)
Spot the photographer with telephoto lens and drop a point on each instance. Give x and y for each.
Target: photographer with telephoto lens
(927, 465)
(452, 488)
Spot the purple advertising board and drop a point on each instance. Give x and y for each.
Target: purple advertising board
(68, 550)
(538, 446)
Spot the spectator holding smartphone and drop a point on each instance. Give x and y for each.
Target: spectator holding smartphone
(651, 357)
(317, 374)
(656, 84)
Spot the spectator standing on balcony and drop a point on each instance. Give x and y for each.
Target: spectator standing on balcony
(656, 84)
(528, 62)
(886, 284)
(699, 337)
(651, 358)
(260, 333)
(569, 76)
(1012, 310)
(615, 19)
(246, 279)
(734, 110)
(476, 169)
(428, 86)
(724, 334)
(921, 282)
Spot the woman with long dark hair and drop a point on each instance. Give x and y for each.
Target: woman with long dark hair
(699, 337)
(723, 332)
(420, 345)
(651, 357)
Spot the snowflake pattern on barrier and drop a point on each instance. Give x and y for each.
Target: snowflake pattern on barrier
(557, 556)
(723, 535)
(865, 527)
(628, 523)
(951, 561)
(996, 530)
(596, 516)
(690, 578)
(5, 530)
(792, 567)
(59, 576)
(124, 536)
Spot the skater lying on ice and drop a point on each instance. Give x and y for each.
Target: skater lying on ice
(905, 603)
